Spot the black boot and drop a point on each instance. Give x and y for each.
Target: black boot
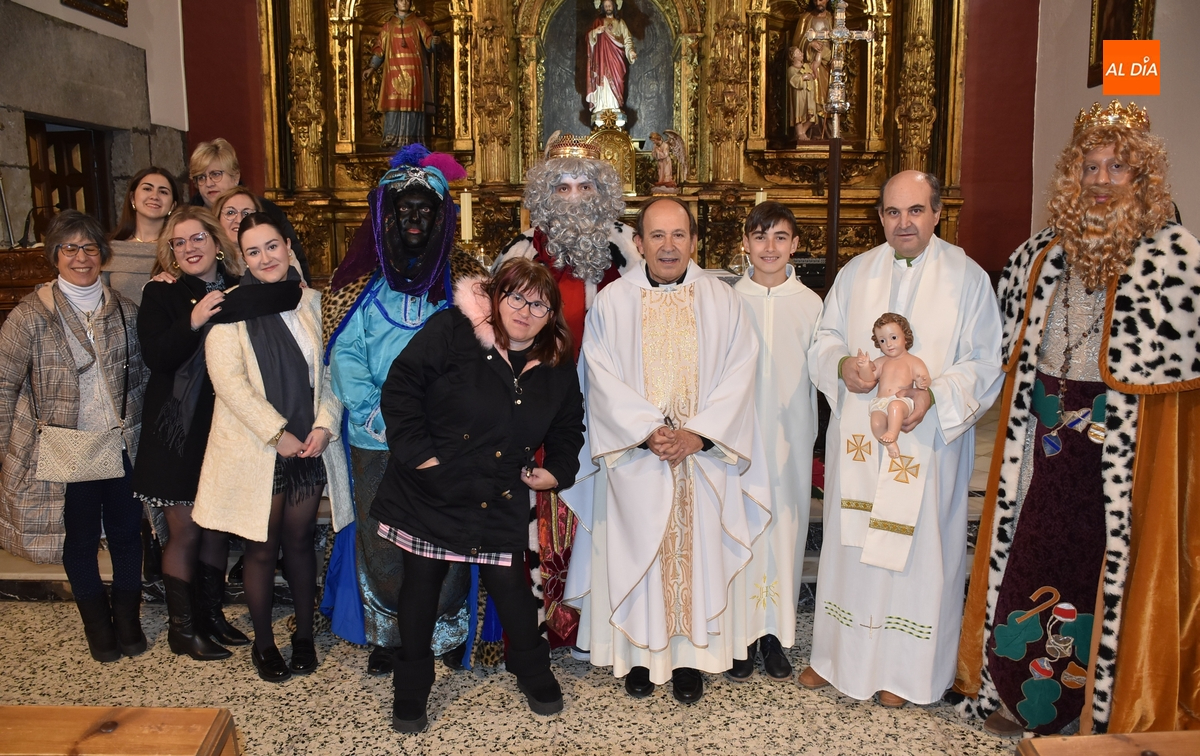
(534, 678)
(182, 636)
(98, 628)
(775, 662)
(412, 681)
(127, 621)
(210, 619)
(743, 669)
(151, 554)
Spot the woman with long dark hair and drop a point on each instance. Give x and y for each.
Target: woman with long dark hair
(152, 195)
(269, 455)
(466, 404)
(172, 325)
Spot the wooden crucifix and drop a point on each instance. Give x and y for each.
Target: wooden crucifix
(836, 104)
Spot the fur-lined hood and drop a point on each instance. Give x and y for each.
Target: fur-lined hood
(473, 301)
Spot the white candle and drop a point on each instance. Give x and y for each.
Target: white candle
(760, 197)
(468, 231)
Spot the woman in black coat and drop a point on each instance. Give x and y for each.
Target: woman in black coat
(466, 404)
(172, 323)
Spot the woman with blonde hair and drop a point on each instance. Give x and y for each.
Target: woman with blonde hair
(231, 207)
(269, 456)
(172, 325)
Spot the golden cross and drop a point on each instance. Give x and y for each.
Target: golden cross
(855, 445)
(870, 628)
(903, 467)
(838, 37)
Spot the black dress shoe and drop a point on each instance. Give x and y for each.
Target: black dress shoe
(637, 682)
(304, 656)
(743, 669)
(775, 662)
(409, 715)
(270, 664)
(453, 659)
(380, 661)
(687, 685)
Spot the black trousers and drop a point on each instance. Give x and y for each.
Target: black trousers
(85, 506)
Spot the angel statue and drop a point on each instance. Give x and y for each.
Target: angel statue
(668, 146)
(609, 45)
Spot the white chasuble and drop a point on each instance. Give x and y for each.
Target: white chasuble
(896, 629)
(659, 548)
(784, 319)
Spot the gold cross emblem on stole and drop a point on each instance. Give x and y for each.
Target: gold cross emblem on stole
(903, 467)
(858, 446)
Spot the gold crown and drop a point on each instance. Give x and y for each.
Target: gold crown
(569, 145)
(1131, 117)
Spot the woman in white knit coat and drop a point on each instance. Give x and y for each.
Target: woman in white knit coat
(269, 454)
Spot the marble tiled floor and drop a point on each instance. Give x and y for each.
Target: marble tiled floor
(340, 710)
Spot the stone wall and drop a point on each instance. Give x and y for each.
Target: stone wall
(61, 72)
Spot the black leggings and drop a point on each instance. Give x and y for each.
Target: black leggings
(291, 526)
(85, 506)
(422, 586)
(189, 542)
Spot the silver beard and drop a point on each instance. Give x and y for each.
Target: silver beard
(577, 234)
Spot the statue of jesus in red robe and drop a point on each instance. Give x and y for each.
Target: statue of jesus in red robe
(609, 46)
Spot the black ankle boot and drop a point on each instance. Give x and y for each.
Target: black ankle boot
(181, 635)
(210, 619)
(127, 621)
(412, 681)
(534, 678)
(98, 628)
(775, 661)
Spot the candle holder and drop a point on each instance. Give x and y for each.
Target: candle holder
(475, 249)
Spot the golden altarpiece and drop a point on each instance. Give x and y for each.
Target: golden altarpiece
(507, 73)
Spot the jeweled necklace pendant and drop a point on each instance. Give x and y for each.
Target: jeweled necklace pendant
(1051, 443)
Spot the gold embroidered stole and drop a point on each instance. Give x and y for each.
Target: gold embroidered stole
(670, 364)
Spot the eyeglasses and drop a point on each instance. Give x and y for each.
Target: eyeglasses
(179, 243)
(517, 302)
(204, 178)
(230, 213)
(90, 249)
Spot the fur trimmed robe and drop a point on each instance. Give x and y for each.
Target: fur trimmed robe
(1149, 594)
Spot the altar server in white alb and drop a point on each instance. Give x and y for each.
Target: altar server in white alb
(893, 560)
(784, 313)
(677, 495)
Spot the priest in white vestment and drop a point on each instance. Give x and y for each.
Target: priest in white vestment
(893, 559)
(676, 497)
(784, 313)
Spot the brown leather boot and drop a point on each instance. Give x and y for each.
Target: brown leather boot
(811, 680)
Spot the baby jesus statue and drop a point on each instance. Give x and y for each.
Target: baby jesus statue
(895, 370)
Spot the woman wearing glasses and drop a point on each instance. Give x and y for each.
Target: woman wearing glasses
(269, 455)
(466, 404)
(69, 358)
(233, 205)
(172, 325)
(214, 169)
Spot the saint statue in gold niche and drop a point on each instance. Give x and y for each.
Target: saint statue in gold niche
(817, 57)
(610, 45)
(405, 92)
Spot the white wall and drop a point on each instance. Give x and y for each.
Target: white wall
(1063, 38)
(155, 26)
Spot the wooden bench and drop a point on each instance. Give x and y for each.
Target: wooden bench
(1183, 743)
(96, 730)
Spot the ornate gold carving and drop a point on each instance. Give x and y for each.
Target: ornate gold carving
(493, 99)
(915, 111)
(811, 167)
(727, 96)
(722, 221)
(306, 117)
(312, 226)
(495, 221)
(615, 147)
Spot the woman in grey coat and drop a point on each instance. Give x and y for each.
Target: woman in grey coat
(69, 357)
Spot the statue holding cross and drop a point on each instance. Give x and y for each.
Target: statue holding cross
(835, 106)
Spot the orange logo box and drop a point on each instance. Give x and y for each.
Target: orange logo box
(1131, 67)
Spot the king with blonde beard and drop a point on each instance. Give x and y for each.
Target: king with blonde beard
(1085, 536)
